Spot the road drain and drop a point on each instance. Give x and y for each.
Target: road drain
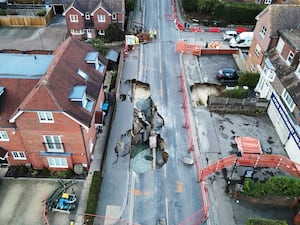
(147, 146)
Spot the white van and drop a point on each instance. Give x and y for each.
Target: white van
(243, 40)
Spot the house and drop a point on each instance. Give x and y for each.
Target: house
(87, 19)
(265, 35)
(49, 105)
(280, 83)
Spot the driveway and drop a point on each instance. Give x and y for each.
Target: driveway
(33, 38)
(24, 197)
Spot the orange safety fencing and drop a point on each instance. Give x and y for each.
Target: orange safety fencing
(253, 160)
(185, 48)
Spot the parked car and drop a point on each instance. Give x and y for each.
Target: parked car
(227, 75)
(228, 34)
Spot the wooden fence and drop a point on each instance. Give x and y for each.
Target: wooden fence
(25, 20)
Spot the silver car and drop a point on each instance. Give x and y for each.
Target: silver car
(227, 35)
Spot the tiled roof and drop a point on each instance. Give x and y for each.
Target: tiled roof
(281, 17)
(113, 5)
(14, 92)
(61, 77)
(85, 5)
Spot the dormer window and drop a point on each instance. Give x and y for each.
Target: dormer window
(87, 16)
(114, 16)
(82, 74)
(78, 95)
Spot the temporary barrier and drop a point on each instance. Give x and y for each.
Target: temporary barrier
(253, 160)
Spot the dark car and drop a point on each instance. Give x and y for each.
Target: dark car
(228, 75)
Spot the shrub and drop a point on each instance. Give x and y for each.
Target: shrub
(45, 172)
(248, 79)
(41, 12)
(23, 170)
(274, 186)
(114, 33)
(93, 197)
(235, 93)
(129, 5)
(258, 221)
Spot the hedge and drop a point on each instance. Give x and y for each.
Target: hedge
(256, 221)
(274, 186)
(93, 197)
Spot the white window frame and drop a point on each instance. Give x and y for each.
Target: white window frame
(87, 16)
(91, 145)
(114, 16)
(290, 58)
(18, 155)
(263, 31)
(54, 162)
(73, 18)
(268, 73)
(257, 50)
(101, 32)
(252, 67)
(4, 136)
(53, 143)
(297, 71)
(77, 31)
(268, 2)
(288, 100)
(280, 45)
(83, 74)
(101, 18)
(45, 117)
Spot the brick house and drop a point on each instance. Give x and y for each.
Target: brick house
(87, 19)
(265, 37)
(280, 83)
(48, 109)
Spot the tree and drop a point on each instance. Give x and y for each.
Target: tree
(114, 33)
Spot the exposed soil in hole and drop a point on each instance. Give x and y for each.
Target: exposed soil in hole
(147, 146)
(200, 93)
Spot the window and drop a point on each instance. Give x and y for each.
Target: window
(19, 155)
(87, 16)
(57, 162)
(53, 143)
(257, 50)
(263, 31)
(114, 16)
(3, 136)
(91, 145)
(270, 74)
(101, 32)
(77, 31)
(290, 58)
(74, 18)
(82, 74)
(288, 100)
(101, 18)
(280, 45)
(45, 117)
(252, 67)
(297, 72)
(268, 2)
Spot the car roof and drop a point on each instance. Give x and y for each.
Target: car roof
(230, 32)
(228, 70)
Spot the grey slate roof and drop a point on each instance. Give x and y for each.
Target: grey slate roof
(113, 6)
(282, 17)
(85, 5)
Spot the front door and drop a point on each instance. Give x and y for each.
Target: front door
(89, 34)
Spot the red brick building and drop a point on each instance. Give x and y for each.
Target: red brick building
(49, 104)
(87, 19)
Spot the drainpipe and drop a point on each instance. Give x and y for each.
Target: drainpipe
(85, 150)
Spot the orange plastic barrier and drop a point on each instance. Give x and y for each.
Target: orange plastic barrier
(253, 160)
